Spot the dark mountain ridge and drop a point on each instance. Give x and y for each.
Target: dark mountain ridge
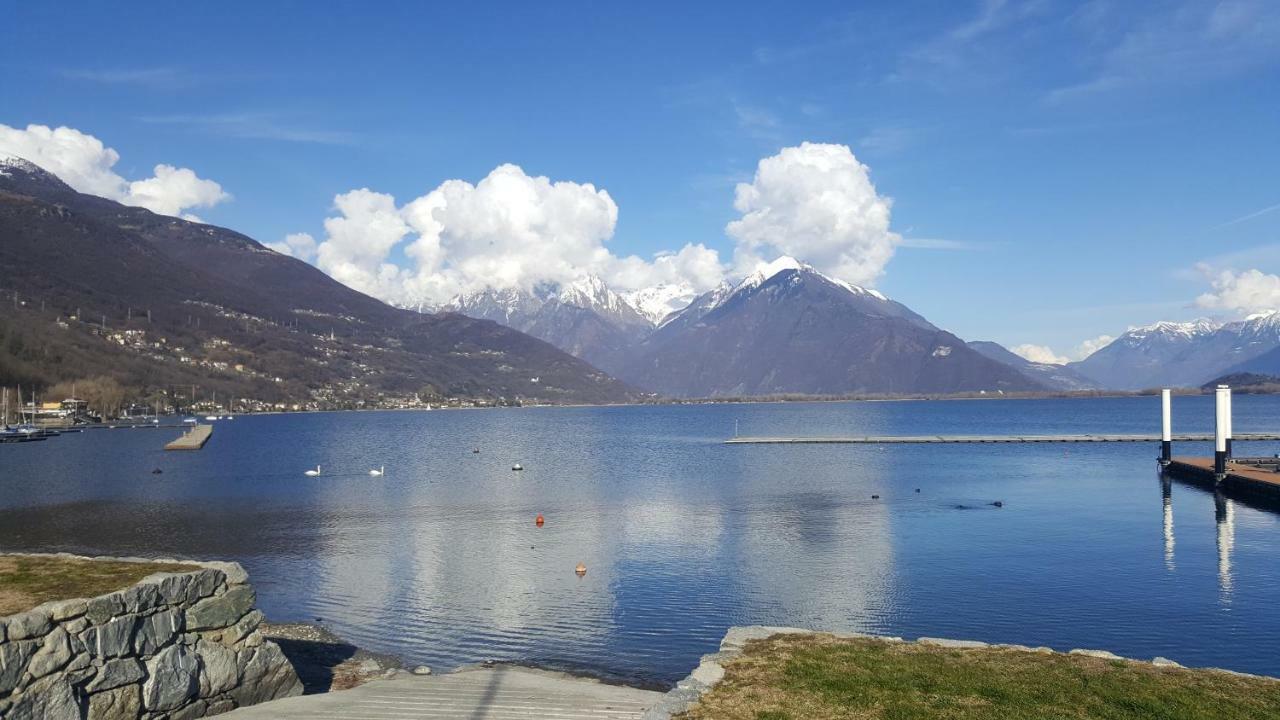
(794, 330)
(115, 289)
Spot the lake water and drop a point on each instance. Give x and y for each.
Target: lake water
(440, 562)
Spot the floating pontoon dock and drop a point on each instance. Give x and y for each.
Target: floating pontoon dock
(193, 439)
(961, 439)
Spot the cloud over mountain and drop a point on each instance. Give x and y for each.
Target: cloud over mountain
(515, 230)
(815, 202)
(84, 163)
(1039, 354)
(1245, 292)
(509, 230)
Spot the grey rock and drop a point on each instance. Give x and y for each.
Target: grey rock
(116, 673)
(265, 675)
(946, 643)
(253, 640)
(54, 653)
(189, 712)
(222, 610)
(29, 624)
(54, 700)
(1103, 654)
(79, 662)
(156, 631)
(737, 637)
(104, 607)
(171, 586)
(14, 657)
(219, 705)
(205, 583)
(243, 627)
(422, 670)
(75, 627)
(122, 702)
(708, 673)
(140, 598)
(112, 639)
(1165, 662)
(235, 574)
(171, 679)
(369, 665)
(219, 671)
(60, 610)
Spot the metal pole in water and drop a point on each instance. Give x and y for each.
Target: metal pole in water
(1220, 433)
(1166, 427)
(1230, 430)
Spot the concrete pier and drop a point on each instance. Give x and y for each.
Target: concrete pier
(498, 693)
(193, 439)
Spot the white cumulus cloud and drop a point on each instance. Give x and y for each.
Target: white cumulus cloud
(299, 245)
(86, 164)
(815, 202)
(1244, 292)
(359, 240)
(510, 229)
(1091, 346)
(515, 230)
(1039, 354)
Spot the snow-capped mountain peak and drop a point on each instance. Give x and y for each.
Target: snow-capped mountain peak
(766, 271)
(658, 302)
(592, 293)
(9, 163)
(1193, 328)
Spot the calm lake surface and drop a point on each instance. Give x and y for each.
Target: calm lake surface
(440, 563)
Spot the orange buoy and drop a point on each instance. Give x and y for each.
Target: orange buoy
(581, 569)
(538, 521)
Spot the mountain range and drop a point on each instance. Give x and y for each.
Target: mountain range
(97, 287)
(784, 329)
(161, 301)
(1186, 354)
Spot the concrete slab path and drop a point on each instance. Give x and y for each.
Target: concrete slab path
(497, 693)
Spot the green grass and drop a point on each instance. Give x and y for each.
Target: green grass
(28, 580)
(817, 677)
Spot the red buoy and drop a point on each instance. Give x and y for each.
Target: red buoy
(538, 521)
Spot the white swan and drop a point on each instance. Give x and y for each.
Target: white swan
(378, 472)
(312, 473)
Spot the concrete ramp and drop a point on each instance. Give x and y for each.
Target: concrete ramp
(497, 693)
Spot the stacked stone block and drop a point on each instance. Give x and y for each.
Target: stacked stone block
(173, 646)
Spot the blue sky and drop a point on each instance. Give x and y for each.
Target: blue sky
(1065, 166)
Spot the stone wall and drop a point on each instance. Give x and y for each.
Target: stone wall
(173, 646)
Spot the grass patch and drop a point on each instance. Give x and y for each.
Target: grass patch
(29, 580)
(820, 677)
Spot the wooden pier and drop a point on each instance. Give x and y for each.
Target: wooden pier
(1240, 476)
(973, 439)
(193, 439)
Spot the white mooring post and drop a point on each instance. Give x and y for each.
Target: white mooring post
(1166, 427)
(1230, 430)
(1220, 433)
